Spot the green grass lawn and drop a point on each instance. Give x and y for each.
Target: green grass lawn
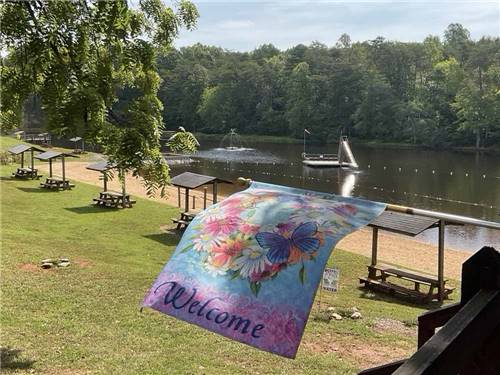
(85, 318)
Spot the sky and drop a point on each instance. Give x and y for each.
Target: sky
(244, 25)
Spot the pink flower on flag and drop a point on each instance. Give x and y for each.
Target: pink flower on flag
(221, 225)
(249, 229)
(223, 254)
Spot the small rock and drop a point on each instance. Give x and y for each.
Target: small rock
(330, 309)
(46, 265)
(355, 309)
(356, 315)
(336, 316)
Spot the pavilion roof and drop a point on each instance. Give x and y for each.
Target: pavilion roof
(19, 149)
(194, 180)
(48, 155)
(101, 166)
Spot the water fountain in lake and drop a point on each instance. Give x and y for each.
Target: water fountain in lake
(232, 148)
(233, 142)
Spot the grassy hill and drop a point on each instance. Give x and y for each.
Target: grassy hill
(85, 318)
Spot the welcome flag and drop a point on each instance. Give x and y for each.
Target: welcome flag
(248, 267)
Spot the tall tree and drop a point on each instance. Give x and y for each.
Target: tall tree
(77, 55)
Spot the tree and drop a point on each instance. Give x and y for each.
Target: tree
(373, 118)
(457, 42)
(344, 41)
(478, 107)
(78, 56)
(183, 141)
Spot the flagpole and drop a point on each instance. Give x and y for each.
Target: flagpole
(304, 141)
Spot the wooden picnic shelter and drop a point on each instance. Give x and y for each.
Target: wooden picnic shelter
(190, 181)
(378, 274)
(25, 172)
(109, 198)
(75, 141)
(53, 182)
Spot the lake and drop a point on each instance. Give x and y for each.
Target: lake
(460, 183)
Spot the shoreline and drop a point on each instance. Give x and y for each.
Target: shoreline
(354, 141)
(393, 248)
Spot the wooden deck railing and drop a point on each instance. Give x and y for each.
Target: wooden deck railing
(469, 339)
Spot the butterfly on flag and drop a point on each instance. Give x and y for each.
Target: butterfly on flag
(279, 247)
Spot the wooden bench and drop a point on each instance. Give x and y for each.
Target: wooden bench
(181, 224)
(26, 173)
(185, 219)
(378, 275)
(56, 183)
(113, 199)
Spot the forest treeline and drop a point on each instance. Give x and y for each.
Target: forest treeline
(439, 92)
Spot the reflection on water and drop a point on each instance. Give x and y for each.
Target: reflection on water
(348, 185)
(459, 183)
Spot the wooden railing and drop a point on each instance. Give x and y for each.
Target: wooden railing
(469, 339)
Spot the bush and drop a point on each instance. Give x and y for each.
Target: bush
(7, 158)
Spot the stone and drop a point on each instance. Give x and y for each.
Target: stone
(336, 316)
(356, 315)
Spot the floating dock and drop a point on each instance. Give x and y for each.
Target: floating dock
(344, 158)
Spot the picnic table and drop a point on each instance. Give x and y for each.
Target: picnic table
(26, 173)
(113, 199)
(380, 273)
(380, 276)
(184, 220)
(56, 183)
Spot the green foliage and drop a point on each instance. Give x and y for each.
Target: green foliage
(78, 56)
(378, 90)
(183, 141)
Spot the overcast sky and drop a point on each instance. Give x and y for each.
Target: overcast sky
(243, 25)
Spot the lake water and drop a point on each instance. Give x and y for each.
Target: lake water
(460, 183)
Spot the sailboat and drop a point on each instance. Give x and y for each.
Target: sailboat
(344, 157)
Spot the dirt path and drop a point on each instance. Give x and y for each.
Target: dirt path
(393, 248)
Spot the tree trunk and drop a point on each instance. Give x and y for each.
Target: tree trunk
(478, 138)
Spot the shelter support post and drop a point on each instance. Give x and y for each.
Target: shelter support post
(441, 260)
(194, 202)
(63, 170)
(186, 200)
(105, 181)
(178, 197)
(50, 167)
(32, 159)
(215, 192)
(124, 189)
(22, 160)
(372, 272)
(205, 197)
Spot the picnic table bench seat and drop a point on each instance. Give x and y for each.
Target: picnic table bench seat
(184, 220)
(56, 183)
(381, 272)
(24, 172)
(113, 199)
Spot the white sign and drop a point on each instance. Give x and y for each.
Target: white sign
(331, 279)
